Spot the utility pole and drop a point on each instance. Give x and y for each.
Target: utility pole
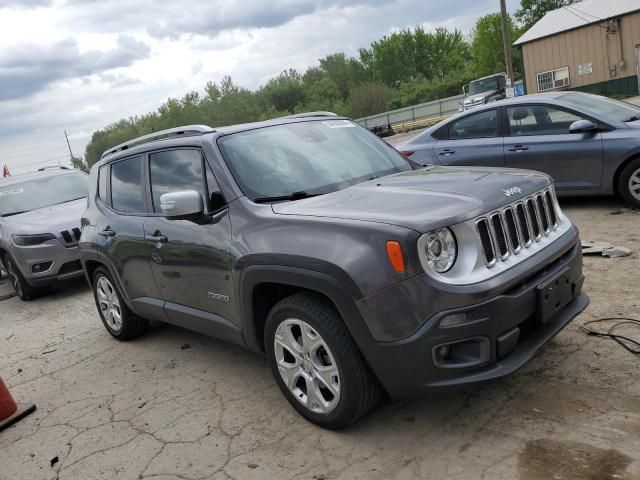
(506, 40)
(68, 145)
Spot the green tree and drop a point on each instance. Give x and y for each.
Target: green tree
(79, 164)
(533, 10)
(284, 92)
(487, 51)
(369, 98)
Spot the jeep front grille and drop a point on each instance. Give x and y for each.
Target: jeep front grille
(515, 227)
(71, 237)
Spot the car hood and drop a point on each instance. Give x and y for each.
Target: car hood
(423, 199)
(51, 219)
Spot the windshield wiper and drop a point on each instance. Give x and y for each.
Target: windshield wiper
(14, 213)
(633, 118)
(292, 196)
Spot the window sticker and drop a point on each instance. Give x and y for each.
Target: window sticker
(12, 192)
(338, 124)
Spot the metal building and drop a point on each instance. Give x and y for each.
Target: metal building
(592, 46)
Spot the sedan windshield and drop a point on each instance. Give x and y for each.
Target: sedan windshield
(20, 197)
(297, 160)
(606, 107)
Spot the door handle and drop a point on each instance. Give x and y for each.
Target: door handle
(518, 148)
(156, 237)
(446, 152)
(106, 232)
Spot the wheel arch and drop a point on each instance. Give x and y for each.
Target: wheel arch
(619, 169)
(262, 286)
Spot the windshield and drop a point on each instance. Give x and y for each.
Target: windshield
(312, 157)
(479, 86)
(43, 192)
(607, 107)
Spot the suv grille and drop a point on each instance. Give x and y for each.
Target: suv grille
(71, 237)
(516, 226)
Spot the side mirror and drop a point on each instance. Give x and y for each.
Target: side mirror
(182, 205)
(582, 126)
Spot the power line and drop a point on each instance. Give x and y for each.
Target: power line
(573, 7)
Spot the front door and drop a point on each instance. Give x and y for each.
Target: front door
(472, 140)
(539, 139)
(191, 261)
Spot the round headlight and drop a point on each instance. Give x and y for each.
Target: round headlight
(440, 250)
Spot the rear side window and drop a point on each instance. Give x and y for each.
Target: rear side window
(126, 186)
(175, 170)
(102, 183)
(478, 125)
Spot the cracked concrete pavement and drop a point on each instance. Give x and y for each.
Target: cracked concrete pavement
(177, 405)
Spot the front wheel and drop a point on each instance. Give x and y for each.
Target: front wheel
(25, 291)
(116, 316)
(629, 183)
(316, 364)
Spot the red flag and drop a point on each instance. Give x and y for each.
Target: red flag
(5, 171)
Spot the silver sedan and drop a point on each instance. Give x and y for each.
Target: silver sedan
(589, 144)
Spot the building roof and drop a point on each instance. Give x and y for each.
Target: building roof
(577, 15)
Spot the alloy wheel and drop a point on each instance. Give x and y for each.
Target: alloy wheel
(109, 304)
(15, 281)
(307, 366)
(634, 184)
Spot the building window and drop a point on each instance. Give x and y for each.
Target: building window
(557, 78)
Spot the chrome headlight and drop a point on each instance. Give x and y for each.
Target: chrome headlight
(439, 249)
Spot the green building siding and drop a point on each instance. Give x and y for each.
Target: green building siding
(619, 87)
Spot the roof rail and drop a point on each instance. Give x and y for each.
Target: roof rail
(58, 167)
(311, 114)
(186, 131)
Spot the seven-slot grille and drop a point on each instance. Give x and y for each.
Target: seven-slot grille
(516, 226)
(71, 237)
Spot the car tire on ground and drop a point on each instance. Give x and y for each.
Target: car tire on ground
(316, 363)
(116, 316)
(25, 291)
(629, 183)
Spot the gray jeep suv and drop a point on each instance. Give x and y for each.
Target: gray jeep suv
(354, 270)
(40, 228)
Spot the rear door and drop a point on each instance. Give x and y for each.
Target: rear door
(120, 234)
(191, 261)
(539, 139)
(474, 139)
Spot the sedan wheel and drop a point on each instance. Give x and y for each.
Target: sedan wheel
(634, 185)
(307, 366)
(629, 182)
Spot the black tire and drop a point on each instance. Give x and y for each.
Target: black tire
(624, 183)
(358, 388)
(130, 325)
(25, 291)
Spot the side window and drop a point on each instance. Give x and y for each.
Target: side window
(539, 120)
(216, 199)
(478, 125)
(175, 170)
(102, 183)
(126, 186)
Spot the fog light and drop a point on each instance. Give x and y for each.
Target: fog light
(454, 319)
(41, 267)
(442, 352)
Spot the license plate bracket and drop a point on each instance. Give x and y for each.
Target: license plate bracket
(554, 294)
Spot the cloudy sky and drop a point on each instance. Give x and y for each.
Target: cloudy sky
(78, 65)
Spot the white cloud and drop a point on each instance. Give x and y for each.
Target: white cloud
(78, 65)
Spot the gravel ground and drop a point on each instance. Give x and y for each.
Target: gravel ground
(178, 405)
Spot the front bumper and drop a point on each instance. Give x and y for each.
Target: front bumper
(505, 330)
(65, 262)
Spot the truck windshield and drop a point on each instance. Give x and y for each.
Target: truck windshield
(21, 197)
(297, 160)
(484, 85)
(607, 107)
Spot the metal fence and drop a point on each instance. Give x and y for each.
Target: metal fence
(416, 115)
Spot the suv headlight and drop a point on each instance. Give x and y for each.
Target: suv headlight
(439, 249)
(30, 240)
